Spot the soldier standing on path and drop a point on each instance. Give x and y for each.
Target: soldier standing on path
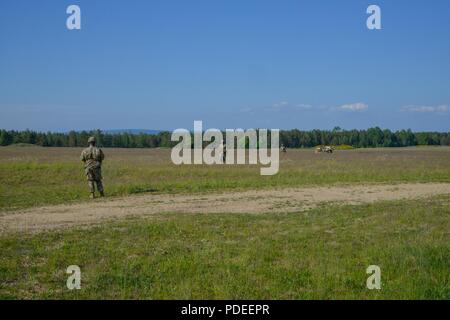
(93, 158)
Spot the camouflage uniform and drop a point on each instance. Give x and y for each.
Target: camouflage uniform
(92, 158)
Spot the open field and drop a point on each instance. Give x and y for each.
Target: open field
(33, 176)
(225, 231)
(322, 253)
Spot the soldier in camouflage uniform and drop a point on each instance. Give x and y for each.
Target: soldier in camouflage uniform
(93, 158)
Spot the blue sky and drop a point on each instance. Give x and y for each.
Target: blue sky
(268, 64)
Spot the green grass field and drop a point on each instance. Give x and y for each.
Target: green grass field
(33, 176)
(320, 253)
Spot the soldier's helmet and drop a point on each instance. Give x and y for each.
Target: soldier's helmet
(91, 140)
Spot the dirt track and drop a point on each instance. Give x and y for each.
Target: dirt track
(253, 201)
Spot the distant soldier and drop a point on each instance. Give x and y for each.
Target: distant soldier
(93, 158)
(224, 153)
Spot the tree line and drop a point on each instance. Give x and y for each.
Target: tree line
(373, 137)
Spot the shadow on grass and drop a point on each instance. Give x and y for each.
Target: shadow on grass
(139, 190)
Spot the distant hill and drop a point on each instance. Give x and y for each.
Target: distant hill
(132, 131)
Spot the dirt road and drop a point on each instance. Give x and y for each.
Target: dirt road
(253, 201)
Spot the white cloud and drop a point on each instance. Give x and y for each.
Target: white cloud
(290, 107)
(286, 105)
(280, 104)
(359, 106)
(444, 108)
